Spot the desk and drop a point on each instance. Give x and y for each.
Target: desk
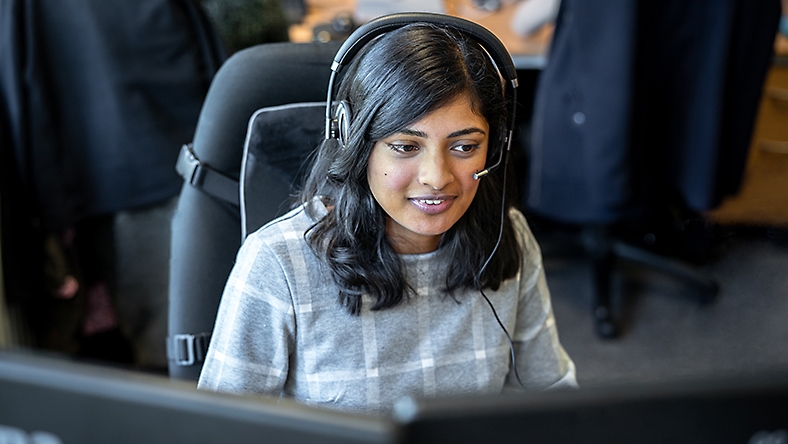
(527, 53)
(761, 200)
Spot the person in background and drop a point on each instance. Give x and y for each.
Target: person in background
(643, 114)
(96, 99)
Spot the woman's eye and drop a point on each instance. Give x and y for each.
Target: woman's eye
(402, 148)
(463, 148)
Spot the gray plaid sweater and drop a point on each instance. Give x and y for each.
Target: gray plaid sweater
(281, 331)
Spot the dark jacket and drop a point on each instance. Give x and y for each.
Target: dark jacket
(97, 98)
(648, 102)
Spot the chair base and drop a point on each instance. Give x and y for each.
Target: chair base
(603, 250)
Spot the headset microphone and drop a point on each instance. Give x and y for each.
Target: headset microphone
(479, 174)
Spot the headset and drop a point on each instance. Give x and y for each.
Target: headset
(338, 121)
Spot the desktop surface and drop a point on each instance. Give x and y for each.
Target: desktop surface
(528, 53)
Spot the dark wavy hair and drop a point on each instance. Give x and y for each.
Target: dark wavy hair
(394, 81)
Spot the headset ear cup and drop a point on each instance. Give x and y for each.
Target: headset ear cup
(342, 116)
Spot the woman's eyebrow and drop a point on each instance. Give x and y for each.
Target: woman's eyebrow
(413, 132)
(466, 131)
(458, 133)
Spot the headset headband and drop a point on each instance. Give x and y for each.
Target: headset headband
(381, 25)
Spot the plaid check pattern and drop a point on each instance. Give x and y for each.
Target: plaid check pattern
(281, 331)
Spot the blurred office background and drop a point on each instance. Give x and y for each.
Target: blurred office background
(715, 214)
(98, 98)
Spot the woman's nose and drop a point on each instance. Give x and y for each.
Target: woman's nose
(435, 169)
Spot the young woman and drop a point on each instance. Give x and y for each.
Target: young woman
(382, 283)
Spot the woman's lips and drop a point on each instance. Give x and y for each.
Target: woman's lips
(432, 204)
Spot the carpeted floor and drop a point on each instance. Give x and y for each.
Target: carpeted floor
(666, 334)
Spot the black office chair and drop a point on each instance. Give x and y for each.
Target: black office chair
(207, 226)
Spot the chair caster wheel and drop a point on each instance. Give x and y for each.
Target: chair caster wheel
(710, 295)
(605, 327)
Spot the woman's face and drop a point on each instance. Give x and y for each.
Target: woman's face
(422, 175)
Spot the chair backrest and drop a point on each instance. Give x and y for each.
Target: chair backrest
(207, 226)
(279, 144)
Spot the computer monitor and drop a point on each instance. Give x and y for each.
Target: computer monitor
(47, 400)
(751, 409)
